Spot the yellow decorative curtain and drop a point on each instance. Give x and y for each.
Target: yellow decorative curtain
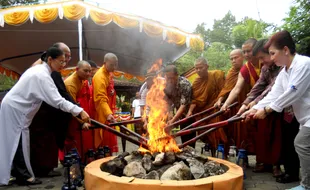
(16, 18)
(77, 11)
(196, 44)
(74, 12)
(125, 22)
(9, 73)
(100, 17)
(176, 38)
(152, 30)
(46, 15)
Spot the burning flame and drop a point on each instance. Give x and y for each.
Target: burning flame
(157, 117)
(156, 66)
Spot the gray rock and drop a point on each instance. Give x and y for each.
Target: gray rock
(212, 168)
(114, 166)
(169, 157)
(159, 159)
(190, 150)
(152, 175)
(134, 156)
(147, 162)
(182, 156)
(160, 170)
(177, 172)
(134, 169)
(196, 168)
(201, 158)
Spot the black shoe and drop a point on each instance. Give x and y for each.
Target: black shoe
(26, 183)
(287, 179)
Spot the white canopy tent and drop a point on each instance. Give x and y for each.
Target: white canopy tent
(90, 32)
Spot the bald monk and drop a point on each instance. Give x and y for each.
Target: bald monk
(236, 58)
(77, 87)
(249, 73)
(206, 89)
(101, 92)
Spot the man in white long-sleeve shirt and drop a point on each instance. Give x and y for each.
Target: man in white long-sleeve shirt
(291, 88)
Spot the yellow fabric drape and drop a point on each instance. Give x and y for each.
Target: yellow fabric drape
(176, 38)
(74, 12)
(128, 76)
(16, 18)
(117, 74)
(46, 15)
(125, 22)
(140, 78)
(100, 17)
(152, 31)
(9, 73)
(197, 44)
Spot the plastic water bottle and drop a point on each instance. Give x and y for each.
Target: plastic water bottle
(232, 154)
(220, 151)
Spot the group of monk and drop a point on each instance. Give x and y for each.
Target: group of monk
(89, 87)
(270, 139)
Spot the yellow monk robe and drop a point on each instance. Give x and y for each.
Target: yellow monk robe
(205, 93)
(76, 138)
(101, 82)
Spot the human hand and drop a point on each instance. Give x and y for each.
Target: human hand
(218, 103)
(242, 109)
(84, 116)
(253, 103)
(86, 126)
(110, 118)
(260, 114)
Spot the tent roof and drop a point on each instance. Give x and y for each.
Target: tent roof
(29, 30)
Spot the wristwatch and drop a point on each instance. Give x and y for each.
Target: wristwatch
(268, 110)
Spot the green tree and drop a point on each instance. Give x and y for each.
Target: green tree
(298, 24)
(222, 29)
(218, 56)
(204, 33)
(249, 28)
(187, 61)
(16, 2)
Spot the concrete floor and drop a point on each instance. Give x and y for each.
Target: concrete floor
(254, 181)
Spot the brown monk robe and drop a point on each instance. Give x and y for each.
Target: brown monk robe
(244, 133)
(206, 88)
(236, 58)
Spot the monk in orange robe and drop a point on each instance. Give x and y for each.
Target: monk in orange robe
(236, 58)
(244, 133)
(206, 89)
(77, 86)
(102, 94)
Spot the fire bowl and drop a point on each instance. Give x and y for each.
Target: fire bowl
(95, 179)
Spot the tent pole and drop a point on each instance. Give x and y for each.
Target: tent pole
(80, 40)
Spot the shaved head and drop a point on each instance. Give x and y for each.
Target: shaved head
(110, 62)
(83, 70)
(63, 47)
(110, 56)
(236, 58)
(237, 51)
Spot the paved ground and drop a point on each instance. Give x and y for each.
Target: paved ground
(254, 181)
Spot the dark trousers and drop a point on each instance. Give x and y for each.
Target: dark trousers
(190, 136)
(289, 155)
(20, 170)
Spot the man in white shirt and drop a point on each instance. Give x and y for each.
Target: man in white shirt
(291, 88)
(136, 112)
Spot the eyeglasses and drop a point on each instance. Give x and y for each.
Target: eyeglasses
(62, 62)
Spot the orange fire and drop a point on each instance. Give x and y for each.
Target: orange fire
(156, 66)
(157, 117)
